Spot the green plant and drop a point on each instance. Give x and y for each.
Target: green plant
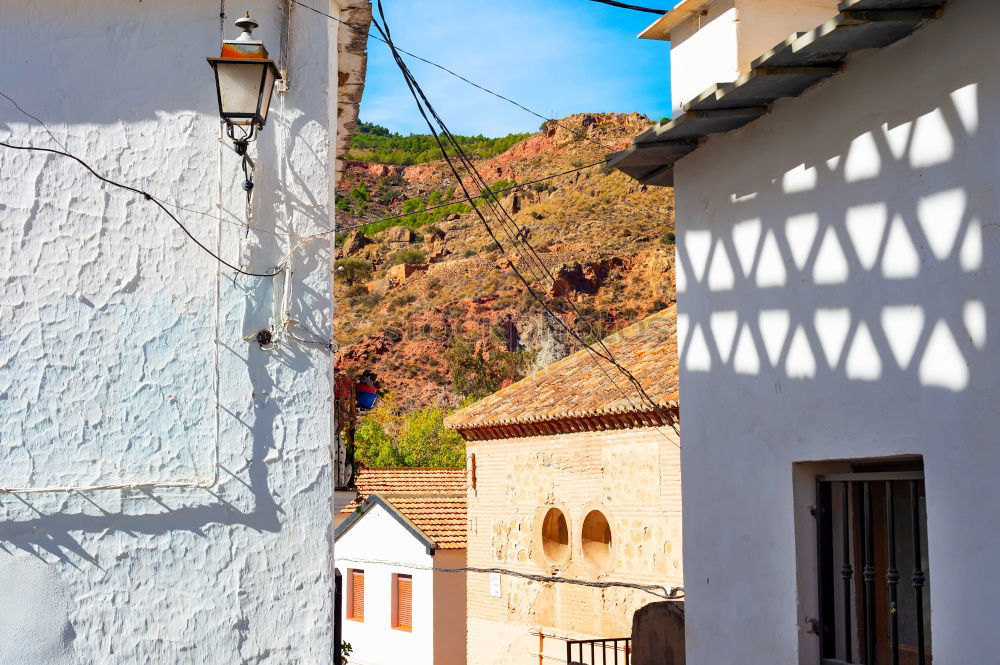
(367, 301)
(501, 185)
(360, 193)
(354, 268)
(389, 436)
(375, 144)
(408, 256)
(481, 367)
(404, 299)
(668, 238)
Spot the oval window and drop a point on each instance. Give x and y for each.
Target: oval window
(555, 536)
(596, 540)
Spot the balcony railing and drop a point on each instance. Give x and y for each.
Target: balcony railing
(611, 651)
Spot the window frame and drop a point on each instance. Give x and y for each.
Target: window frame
(397, 579)
(351, 610)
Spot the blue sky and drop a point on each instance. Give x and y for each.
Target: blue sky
(556, 57)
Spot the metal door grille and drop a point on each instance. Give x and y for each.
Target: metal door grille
(868, 526)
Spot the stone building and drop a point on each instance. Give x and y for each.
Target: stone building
(165, 429)
(572, 473)
(837, 271)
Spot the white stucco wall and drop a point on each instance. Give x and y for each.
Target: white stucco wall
(763, 24)
(837, 262)
(122, 353)
(381, 546)
(720, 46)
(703, 52)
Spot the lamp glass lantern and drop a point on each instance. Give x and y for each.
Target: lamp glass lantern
(244, 83)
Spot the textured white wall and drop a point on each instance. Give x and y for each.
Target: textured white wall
(703, 52)
(720, 46)
(379, 537)
(123, 359)
(837, 272)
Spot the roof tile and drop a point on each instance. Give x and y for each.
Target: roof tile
(433, 499)
(581, 385)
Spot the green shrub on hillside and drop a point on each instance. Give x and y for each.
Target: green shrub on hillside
(354, 269)
(478, 372)
(408, 256)
(375, 144)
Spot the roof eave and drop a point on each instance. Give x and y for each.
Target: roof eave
(375, 500)
(661, 28)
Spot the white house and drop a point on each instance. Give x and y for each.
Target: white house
(165, 478)
(837, 256)
(394, 551)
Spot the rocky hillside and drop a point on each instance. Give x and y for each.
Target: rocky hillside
(418, 295)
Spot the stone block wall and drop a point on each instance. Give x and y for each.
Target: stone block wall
(631, 476)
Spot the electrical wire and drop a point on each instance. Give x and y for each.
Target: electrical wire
(457, 75)
(658, 590)
(634, 8)
(146, 195)
(424, 107)
(473, 198)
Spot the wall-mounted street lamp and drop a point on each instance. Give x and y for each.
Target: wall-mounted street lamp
(244, 81)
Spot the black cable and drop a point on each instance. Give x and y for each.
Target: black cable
(622, 5)
(345, 228)
(145, 195)
(468, 199)
(457, 75)
(658, 590)
(421, 100)
(518, 235)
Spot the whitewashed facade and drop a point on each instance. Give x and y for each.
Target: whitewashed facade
(383, 543)
(165, 482)
(836, 265)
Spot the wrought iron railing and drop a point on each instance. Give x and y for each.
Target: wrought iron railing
(611, 651)
(871, 533)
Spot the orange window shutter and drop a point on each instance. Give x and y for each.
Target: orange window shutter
(358, 594)
(404, 600)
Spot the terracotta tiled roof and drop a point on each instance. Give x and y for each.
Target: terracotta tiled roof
(409, 480)
(441, 518)
(578, 389)
(433, 500)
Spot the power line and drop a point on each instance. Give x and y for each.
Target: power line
(622, 5)
(473, 198)
(146, 195)
(490, 199)
(323, 231)
(456, 75)
(514, 238)
(658, 590)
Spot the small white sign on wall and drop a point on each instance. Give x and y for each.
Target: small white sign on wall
(495, 585)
